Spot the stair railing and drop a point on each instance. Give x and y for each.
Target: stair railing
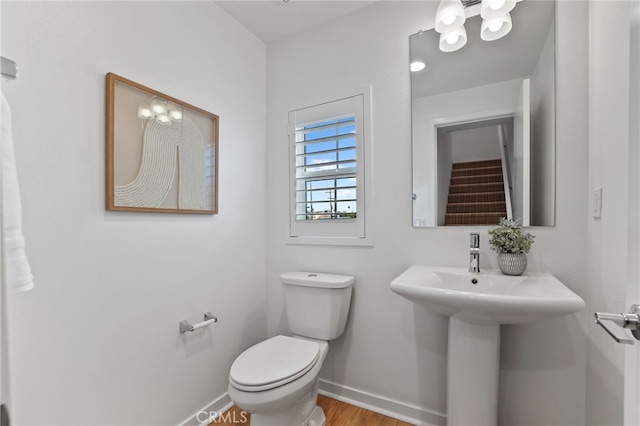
(506, 173)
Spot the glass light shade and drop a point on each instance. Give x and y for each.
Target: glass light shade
(490, 9)
(175, 114)
(454, 40)
(493, 29)
(449, 16)
(144, 111)
(417, 66)
(158, 106)
(163, 119)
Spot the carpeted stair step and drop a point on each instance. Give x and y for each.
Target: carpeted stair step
(477, 197)
(460, 219)
(477, 207)
(476, 164)
(465, 180)
(476, 171)
(476, 187)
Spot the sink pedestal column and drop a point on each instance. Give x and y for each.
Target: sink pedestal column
(473, 372)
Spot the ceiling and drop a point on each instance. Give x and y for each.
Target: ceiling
(271, 20)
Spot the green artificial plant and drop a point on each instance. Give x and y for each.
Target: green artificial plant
(508, 237)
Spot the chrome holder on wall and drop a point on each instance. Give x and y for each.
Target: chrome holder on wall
(208, 319)
(629, 321)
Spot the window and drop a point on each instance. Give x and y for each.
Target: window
(326, 161)
(328, 156)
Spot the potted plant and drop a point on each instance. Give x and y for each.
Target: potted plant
(512, 245)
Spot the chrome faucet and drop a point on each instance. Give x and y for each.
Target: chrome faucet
(474, 253)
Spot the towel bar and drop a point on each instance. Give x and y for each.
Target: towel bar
(208, 319)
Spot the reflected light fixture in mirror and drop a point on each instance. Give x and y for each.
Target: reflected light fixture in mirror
(158, 106)
(158, 109)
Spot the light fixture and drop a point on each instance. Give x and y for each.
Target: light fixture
(417, 66)
(453, 40)
(160, 111)
(158, 106)
(495, 28)
(490, 9)
(449, 16)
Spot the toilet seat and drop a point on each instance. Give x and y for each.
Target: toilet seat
(273, 363)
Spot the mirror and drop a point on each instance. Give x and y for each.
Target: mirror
(483, 124)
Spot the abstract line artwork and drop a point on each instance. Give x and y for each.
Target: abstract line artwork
(161, 152)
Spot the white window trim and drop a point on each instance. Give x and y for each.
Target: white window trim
(365, 206)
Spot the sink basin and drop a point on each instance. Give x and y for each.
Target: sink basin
(477, 305)
(493, 297)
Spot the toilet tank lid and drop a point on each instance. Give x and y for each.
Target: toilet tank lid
(317, 279)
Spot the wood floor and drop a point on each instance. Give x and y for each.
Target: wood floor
(337, 413)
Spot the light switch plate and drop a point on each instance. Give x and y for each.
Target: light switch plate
(596, 203)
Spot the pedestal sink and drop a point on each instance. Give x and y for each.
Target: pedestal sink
(477, 304)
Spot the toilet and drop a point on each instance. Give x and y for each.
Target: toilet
(276, 380)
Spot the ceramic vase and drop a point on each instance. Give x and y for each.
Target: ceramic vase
(512, 263)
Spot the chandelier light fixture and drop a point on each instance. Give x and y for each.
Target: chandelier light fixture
(449, 16)
(450, 19)
(490, 9)
(495, 28)
(449, 23)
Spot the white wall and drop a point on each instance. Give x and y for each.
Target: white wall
(480, 143)
(444, 166)
(97, 341)
(610, 235)
(391, 348)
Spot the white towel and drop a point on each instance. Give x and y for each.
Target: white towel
(18, 272)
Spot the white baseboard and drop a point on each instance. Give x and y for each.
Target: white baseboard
(208, 413)
(385, 406)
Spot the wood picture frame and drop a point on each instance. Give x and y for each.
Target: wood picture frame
(161, 153)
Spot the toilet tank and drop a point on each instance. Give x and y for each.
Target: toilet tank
(317, 304)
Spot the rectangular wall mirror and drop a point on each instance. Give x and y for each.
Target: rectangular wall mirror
(483, 124)
(162, 153)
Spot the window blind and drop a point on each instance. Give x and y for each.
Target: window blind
(326, 169)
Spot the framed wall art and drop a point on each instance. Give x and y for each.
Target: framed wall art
(162, 153)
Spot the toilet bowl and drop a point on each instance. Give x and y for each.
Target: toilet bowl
(276, 380)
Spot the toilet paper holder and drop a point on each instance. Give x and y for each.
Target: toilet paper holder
(208, 319)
